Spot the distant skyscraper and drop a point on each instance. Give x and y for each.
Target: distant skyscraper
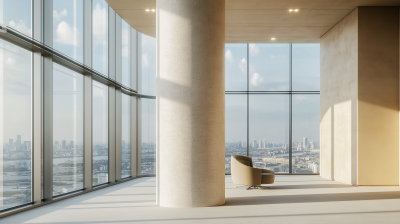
(72, 144)
(11, 145)
(305, 143)
(253, 143)
(18, 142)
(64, 144)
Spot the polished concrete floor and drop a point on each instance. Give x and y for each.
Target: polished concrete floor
(292, 199)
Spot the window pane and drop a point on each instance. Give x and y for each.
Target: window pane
(269, 131)
(235, 127)
(100, 36)
(126, 138)
(100, 133)
(148, 136)
(305, 121)
(68, 28)
(15, 125)
(126, 73)
(67, 130)
(269, 67)
(148, 65)
(17, 14)
(306, 67)
(236, 67)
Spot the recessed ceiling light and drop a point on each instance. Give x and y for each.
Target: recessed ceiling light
(147, 10)
(153, 10)
(290, 10)
(273, 38)
(296, 10)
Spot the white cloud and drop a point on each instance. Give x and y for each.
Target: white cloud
(255, 79)
(59, 15)
(125, 36)
(66, 34)
(300, 97)
(125, 52)
(145, 61)
(229, 56)
(243, 65)
(20, 26)
(10, 61)
(99, 24)
(254, 50)
(272, 57)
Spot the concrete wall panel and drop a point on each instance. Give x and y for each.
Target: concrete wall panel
(378, 96)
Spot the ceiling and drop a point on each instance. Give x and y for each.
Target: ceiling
(257, 21)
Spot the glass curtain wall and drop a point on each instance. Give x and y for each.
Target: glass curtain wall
(19, 78)
(125, 59)
(67, 130)
(148, 68)
(148, 159)
(271, 89)
(100, 36)
(17, 14)
(126, 137)
(68, 28)
(15, 125)
(100, 133)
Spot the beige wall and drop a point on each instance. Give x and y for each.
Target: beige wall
(360, 98)
(378, 96)
(339, 99)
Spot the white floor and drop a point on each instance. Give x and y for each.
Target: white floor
(292, 199)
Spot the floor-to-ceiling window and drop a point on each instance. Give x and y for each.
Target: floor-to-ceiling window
(61, 104)
(100, 133)
(148, 132)
(67, 130)
(148, 104)
(126, 136)
(15, 125)
(272, 105)
(68, 28)
(100, 36)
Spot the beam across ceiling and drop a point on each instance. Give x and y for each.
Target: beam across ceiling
(257, 21)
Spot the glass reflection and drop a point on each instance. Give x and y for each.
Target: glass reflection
(100, 133)
(15, 125)
(148, 136)
(148, 70)
(306, 67)
(126, 139)
(67, 130)
(235, 127)
(100, 36)
(269, 131)
(236, 67)
(305, 129)
(269, 67)
(126, 36)
(68, 28)
(17, 14)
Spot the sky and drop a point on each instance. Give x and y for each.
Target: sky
(268, 68)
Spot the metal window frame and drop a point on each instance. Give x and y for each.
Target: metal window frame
(87, 98)
(47, 33)
(290, 93)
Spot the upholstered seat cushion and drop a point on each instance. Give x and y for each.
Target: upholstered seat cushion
(244, 162)
(267, 178)
(267, 171)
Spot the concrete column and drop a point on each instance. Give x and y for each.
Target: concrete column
(360, 98)
(190, 103)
